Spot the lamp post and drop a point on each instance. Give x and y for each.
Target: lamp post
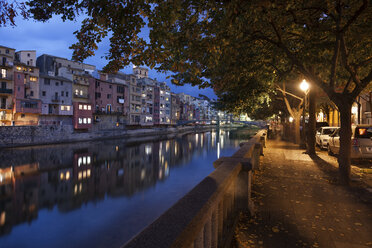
(304, 86)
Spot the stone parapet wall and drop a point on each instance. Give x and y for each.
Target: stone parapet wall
(13, 136)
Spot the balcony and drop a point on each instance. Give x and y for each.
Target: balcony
(56, 99)
(81, 82)
(7, 77)
(86, 96)
(6, 91)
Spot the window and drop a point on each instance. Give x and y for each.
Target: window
(80, 120)
(76, 92)
(85, 120)
(65, 108)
(7, 51)
(61, 82)
(85, 107)
(57, 83)
(108, 96)
(31, 93)
(80, 107)
(33, 79)
(89, 120)
(98, 95)
(81, 92)
(46, 81)
(110, 86)
(3, 73)
(28, 55)
(66, 93)
(120, 89)
(89, 107)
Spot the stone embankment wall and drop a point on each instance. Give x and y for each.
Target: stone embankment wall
(13, 136)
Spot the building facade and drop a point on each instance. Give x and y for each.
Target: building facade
(79, 74)
(7, 85)
(26, 98)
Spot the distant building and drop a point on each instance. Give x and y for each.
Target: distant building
(79, 74)
(7, 85)
(140, 72)
(164, 104)
(147, 100)
(175, 108)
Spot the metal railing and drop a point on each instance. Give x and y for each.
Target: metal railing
(6, 91)
(207, 215)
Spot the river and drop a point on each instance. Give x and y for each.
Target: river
(101, 194)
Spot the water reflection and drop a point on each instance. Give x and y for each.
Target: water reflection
(68, 176)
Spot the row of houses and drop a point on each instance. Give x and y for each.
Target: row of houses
(53, 90)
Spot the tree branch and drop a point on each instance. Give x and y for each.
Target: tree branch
(355, 16)
(345, 61)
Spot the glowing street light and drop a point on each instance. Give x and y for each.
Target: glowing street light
(304, 86)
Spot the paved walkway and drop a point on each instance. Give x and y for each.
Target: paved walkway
(299, 203)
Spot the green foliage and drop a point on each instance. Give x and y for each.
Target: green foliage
(237, 47)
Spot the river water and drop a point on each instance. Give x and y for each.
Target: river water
(101, 194)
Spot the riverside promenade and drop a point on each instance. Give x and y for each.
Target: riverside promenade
(299, 203)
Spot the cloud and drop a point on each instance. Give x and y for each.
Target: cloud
(54, 37)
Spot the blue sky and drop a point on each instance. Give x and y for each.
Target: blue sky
(55, 36)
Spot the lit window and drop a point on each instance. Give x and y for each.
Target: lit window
(61, 176)
(89, 120)
(80, 175)
(85, 121)
(68, 108)
(88, 173)
(80, 120)
(76, 92)
(84, 160)
(33, 79)
(79, 161)
(67, 175)
(89, 107)
(81, 92)
(88, 160)
(80, 106)
(85, 107)
(84, 174)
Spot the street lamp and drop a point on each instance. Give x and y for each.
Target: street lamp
(304, 86)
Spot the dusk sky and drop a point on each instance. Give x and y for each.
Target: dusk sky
(55, 36)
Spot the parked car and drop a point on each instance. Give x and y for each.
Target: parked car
(322, 136)
(361, 146)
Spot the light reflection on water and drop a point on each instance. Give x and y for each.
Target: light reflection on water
(99, 194)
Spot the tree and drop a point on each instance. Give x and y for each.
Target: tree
(217, 43)
(295, 111)
(9, 10)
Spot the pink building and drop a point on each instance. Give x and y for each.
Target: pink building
(109, 97)
(83, 113)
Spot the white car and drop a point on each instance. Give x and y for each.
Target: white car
(322, 136)
(361, 143)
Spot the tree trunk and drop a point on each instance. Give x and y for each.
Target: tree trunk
(345, 142)
(297, 118)
(311, 125)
